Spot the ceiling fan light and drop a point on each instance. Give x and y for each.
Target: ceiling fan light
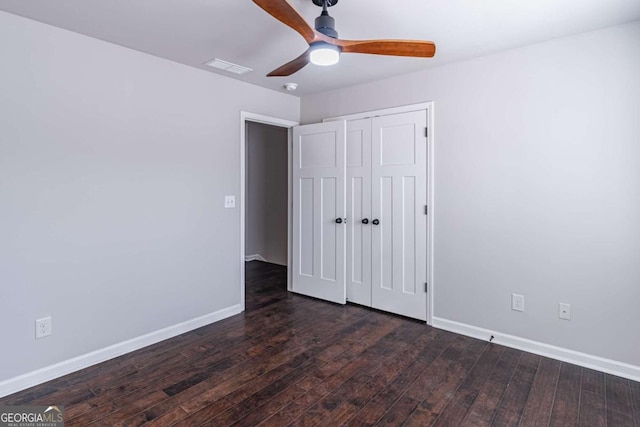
(325, 54)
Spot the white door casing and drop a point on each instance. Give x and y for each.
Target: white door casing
(318, 200)
(359, 210)
(399, 197)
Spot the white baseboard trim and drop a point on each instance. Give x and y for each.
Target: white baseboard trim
(609, 366)
(259, 257)
(48, 373)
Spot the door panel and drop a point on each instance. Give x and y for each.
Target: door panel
(397, 145)
(305, 258)
(329, 228)
(359, 208)
(318, 200)
(384, 233)
(399, 194)
(355, 237)
(318, 151)
(408, 244)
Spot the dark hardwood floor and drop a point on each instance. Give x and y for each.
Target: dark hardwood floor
(291, 360)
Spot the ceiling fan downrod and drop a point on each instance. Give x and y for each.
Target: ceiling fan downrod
(325, 23)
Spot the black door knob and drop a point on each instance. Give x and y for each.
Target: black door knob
(365, 221)
(376, 221)
(338, 220)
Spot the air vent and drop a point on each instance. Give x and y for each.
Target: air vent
(227, 66)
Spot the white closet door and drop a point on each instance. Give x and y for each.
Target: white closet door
(399, 196)
(318, 201)
(359, 211)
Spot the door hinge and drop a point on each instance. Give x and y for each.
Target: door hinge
(426, 287)
(426, 132)
(426, 210)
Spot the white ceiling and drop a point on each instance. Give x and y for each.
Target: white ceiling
(194, 31)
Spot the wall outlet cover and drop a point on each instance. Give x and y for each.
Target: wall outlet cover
(564, 311)
(43, 327)
(517, 302)
(229, 202)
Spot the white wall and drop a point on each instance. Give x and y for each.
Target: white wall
(537, 181)
(113, 170)
(267, 192)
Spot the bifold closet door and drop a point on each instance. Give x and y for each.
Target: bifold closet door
(359, 211)
(319, 223)
(399, 223)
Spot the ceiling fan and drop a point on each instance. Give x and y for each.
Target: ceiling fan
(324, 45)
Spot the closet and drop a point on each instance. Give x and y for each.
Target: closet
(359, 212)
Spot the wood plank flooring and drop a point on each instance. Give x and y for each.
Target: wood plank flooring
(291, 360)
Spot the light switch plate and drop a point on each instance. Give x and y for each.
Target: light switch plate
(564, 311)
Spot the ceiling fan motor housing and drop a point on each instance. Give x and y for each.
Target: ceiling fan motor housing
(326, 25)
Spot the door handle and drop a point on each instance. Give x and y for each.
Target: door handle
(365, 221)
(339, 221)
(376, 221)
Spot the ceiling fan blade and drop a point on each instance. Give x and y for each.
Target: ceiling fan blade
(291, 67)
(415, 48)
(288, 15)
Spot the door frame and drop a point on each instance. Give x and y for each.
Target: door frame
(428, 108)
(246, 116)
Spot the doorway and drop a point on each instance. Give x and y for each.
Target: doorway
(382, 161)
(360, 212)
(265, 184)
(266, 193)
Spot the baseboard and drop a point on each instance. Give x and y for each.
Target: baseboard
(48, 373)
(258, 257)
(609, 366)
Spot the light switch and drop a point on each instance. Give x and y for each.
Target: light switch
(229, 202)
(564, 311)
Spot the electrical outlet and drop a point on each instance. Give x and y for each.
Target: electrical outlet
(564, 311)
(43, 327)
(229, 202)
(517, 302)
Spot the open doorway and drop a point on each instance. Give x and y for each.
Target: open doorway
(265, 188)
